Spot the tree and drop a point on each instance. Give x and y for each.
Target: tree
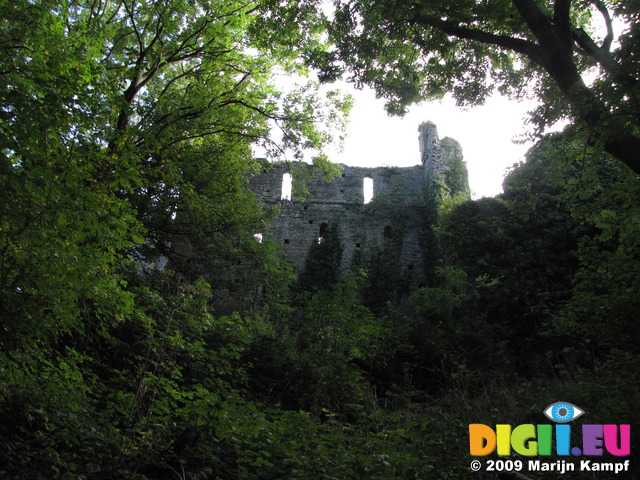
(336, 332)
(125, 127)
(413, 50)
(603, 197)
(520, 252)
(322, 267)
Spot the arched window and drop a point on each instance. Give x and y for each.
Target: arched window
(367, 189)
(388, 233)
(286, 186)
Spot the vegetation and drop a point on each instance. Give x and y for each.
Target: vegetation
(146, 334)
(411, 50)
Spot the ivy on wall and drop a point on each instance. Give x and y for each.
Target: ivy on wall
(455, 174)
(322, 267)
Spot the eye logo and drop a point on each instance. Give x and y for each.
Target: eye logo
(530, 440)
(563, 412)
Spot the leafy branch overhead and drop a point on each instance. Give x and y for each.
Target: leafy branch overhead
(412, 50)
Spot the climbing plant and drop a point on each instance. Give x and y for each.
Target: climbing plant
(322, 267)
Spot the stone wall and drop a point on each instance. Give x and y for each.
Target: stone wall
(394, 215)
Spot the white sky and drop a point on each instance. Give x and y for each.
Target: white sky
(485, 133)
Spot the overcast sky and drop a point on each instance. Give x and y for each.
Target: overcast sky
(485, 133)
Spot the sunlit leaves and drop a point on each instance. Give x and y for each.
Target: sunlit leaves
(129, 122)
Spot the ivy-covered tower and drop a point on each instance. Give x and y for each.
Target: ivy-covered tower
(443, 161)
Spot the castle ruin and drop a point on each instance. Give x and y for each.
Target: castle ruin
(372, 207)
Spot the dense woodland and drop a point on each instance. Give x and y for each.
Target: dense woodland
(146, 334)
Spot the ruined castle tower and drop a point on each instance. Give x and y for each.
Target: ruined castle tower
(394, 214)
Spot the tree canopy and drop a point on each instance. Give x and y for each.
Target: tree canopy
(411, 50)
(127, 126)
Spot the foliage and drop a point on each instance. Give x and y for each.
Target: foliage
(322, 268)
(301, 174)
(456, 176)
(519, 253)
(433, 199)
(335, 331)
(137, 123)
(146, 334)
(603, 308)
(381, 269)
(408, 51)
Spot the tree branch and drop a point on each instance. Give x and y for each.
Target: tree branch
(541, 26)
(562, 20)
(134, 24)
(518, 45)
(606, 43)
(603, 58)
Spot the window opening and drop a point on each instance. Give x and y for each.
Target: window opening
(286, 186)
(367, 189)
(323, 232)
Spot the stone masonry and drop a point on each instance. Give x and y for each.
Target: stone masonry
(395, 214)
